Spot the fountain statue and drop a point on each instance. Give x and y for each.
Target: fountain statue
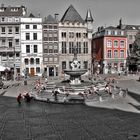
(76, 71)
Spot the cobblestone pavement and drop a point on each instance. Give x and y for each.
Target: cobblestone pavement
(42, 121)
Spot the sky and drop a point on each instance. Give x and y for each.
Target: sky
(104, 12)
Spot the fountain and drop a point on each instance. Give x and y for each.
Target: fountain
(76, 71)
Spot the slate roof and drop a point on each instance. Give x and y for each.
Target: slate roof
(11, 11)
(89, 16)
(71, 15)
(50, 20)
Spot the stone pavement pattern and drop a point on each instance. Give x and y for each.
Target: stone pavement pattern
(42, 121)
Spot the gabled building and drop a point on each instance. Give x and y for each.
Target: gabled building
(109, 50)
(50, 46)
(10, 36)
(75, 32)
(31, 45)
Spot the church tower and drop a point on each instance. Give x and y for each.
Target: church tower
(89, 21)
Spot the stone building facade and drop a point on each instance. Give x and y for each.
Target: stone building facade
(74, 32)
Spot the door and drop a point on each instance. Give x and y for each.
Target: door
(32, 72)
(51, 71)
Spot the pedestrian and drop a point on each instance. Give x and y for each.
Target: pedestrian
(27, 97)
(19, 97)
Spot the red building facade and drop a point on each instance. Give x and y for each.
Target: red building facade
(109, 50)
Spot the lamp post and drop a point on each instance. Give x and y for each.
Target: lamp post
(14, 65)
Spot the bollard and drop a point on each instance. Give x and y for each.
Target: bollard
(100, 99)
(113, 96)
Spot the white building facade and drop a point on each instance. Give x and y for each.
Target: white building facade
(31, 46)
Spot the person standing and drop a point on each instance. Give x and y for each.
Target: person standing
(19, 97)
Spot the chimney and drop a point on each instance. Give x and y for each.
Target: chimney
(56, 16)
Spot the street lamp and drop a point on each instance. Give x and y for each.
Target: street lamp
(14, 65)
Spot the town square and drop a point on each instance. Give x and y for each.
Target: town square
(69, 75)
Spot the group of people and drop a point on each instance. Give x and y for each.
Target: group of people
(25, 95)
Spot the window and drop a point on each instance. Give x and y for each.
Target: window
(85, 64)
(85, 47)
(108, 32)
(2, 30)
(10, 43)
(34, 26)
(50, 49)
(9, 30)
(63, 64)
(2, 19)
(45, 50)
(27, 48)
(84, 35)
(37, 69)
(78, 35)
(35, 36)
(115, 44)
(122, 32)
(55, 59)
(71, 45)
(71, 35)
(17, 41)
(37, 61)
(64, 47)
(115, 53)
(63, 34)
(16, 30)
(78, 47)
(109, 54)
(3, 42)
(26, 61)
(35, 48)
(27, 26)
(109, 43)
(55, 49)
(121, 44)
(27, 36)
(32, 61)
(55, 27)
(50, 27)
(17, 54)
(130, 37)
(122, 54)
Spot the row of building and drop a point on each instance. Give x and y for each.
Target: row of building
(45, 45)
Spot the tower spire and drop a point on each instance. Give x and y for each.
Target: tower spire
(89, 16)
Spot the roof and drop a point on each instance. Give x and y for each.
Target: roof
(50, 20)
(89, 16)
(12, 11)
(72, 15)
